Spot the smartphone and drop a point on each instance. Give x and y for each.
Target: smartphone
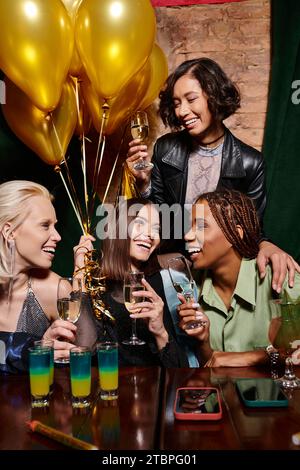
(261, 392)
(197, 403)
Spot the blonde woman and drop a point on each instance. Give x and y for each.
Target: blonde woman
(28, 288)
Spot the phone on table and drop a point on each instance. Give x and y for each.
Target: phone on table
(261, 392)
(197, 403)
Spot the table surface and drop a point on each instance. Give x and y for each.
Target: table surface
(142, 418)
(240, 428)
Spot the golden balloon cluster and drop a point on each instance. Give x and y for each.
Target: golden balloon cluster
(72, 63)
(94, 281)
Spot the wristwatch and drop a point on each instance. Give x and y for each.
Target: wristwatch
(271, 350)
(273, 355)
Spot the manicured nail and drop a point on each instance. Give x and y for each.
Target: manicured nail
(195, 305)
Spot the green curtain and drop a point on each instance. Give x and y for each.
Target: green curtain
(282, 134)
(18, 162)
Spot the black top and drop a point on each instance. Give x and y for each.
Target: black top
(147, 355)
(242, 169)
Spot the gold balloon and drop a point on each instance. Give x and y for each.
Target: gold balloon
(114, 39)
(122, 106)
(36, 128)
(76, 66)
(158, 75)
(36, 44)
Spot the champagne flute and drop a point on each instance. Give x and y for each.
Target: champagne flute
(133, 283)
(69, 295)
(284, 335)
(183, 283)
(140, 130)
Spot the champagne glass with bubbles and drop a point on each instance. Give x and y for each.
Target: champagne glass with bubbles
(140, 130)
(69, 295)
(133, 283)
(183, 283)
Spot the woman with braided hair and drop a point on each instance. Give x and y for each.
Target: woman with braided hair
(234, 299)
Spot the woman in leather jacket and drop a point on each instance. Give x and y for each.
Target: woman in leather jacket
(202, 155)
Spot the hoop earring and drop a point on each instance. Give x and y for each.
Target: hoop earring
(12, 251)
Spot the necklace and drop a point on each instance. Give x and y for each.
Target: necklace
(212, 141)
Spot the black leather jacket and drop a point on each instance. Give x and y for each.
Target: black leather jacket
(242, 169)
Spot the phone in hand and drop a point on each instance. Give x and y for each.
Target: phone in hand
(261, 392)
(197, 403)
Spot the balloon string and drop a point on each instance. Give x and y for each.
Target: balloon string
(72, 188)
(114, 167)
(58, 170)
(98, 147)
(74, 194)
(110, 178)
(98, 163)
(83, 152)
(77, 98)
(96, 182)
(105, 108)
(86, 195)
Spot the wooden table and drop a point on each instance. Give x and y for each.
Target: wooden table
(129, 423)
(142, 418)
(241, 427)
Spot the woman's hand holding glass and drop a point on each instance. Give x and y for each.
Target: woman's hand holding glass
(151, 309)
(139, 130)
(138, 160)
(184, 284)
(69, 295)
(136, 151)
(190, 312)
(63, 333)
(133, 283)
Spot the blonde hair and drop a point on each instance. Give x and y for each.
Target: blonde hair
(14, 208)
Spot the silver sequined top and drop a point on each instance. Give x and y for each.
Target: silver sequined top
(33, 319)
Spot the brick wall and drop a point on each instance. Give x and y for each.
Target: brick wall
(237, 36)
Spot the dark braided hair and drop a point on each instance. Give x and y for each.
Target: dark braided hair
(229, 209)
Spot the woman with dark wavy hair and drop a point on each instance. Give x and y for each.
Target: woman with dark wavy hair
(133, 237)
(201, 155)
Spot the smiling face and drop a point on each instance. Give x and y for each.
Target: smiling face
(36, 238)
(191, 108)
(144, 234)
(206, 244)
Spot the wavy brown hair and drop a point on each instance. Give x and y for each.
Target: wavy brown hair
(229, 209)
(116, 251)
(222, 94)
